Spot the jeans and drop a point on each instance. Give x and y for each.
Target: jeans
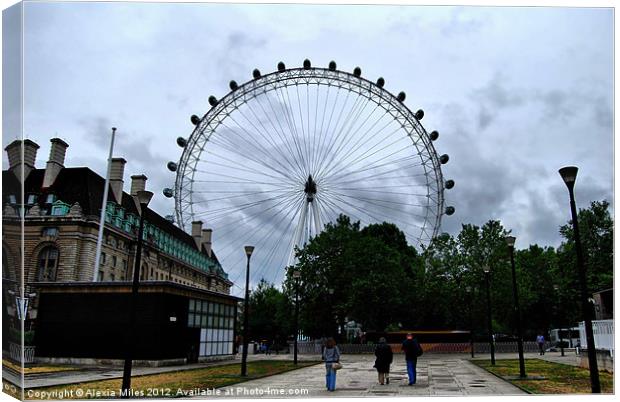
(330, 377)
(411, 371)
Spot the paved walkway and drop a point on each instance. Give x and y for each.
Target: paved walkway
(437, 375)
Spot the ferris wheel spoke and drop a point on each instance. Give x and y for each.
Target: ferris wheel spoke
(237, 167)
(264, 239)
(367, 155)
(259, 147)
(241, 224)
(322, 154)
(275, 147)
(295, 133)
(337, 137)
(366, 172)
(333, 138)
(235, 149)
(382, 205)
(245, 179)
(346, 170)
(390, 219)
(283, 137)
(352, 118)
(236, 208)
(284, 107)
(362, 141)
(244, 194)
(320, 130)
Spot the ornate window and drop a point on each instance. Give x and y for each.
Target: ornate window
(48, 264)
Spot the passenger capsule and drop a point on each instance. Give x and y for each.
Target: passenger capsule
(332, 65)
(401, 97)
(449, 210)
(256, 73)
(419, 114)
(444, 159)
(195, 119)
(172, 166)
(434, 135)
(357, 71)
(182, 142)
(449, 184)
(168, 193)
(307, 64)
(212, 100)
(281, 66)
(380, 82)
(233, 85)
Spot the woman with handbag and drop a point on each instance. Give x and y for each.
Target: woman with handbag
(331, 355)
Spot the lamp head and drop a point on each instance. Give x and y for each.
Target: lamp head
(486, 269)
(249, 250)
(144, 197)
(510, 241)
(569, 175)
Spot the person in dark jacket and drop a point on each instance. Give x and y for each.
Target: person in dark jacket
(412, 350)
(384, 355)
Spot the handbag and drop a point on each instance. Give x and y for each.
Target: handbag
(336, 366)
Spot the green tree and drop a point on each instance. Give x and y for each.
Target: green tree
(271, 314)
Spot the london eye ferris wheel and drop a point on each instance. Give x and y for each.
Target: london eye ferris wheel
(278, 157)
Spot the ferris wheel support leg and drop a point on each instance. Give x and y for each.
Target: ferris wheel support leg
(299, 231)
(317, 218)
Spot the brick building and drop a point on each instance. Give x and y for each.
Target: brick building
(61, 207)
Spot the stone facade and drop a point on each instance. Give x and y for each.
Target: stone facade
(60, 232)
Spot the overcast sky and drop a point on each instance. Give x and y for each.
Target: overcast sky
(516, 93)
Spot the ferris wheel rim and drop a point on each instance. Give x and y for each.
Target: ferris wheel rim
(352, 83)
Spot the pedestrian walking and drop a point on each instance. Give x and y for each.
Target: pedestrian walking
(412, 350)
(384, 355)
(540, 340)
(331, 356)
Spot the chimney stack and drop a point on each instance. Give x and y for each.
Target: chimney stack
(196, 228)
(14, 153)
(116, 178)
(138, 183)
(206, 240)
(56, 161)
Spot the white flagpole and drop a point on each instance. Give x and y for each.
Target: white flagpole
(103, 208)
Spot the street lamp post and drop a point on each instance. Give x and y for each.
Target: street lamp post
(143, 197)
(331, 304)
(569, 175)
(487, 272)
(560, 319)
(296, 275)
(510, 241)
(468, 289)
(246, 313)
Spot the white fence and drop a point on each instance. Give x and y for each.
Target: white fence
(603, 334)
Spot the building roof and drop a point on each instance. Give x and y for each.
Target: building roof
(82, 185)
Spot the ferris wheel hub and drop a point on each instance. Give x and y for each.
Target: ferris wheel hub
(310, 188)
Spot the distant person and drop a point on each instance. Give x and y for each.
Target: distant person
(540, 340)
(412, 350)
(331, 355)
(384, 355)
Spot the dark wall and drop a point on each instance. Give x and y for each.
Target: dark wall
(94, 325)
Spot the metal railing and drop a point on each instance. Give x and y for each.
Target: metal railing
(603, 334)
(463, 347)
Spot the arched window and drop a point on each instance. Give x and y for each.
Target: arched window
(48, 264)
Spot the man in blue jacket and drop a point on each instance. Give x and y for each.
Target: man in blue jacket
(412, 350)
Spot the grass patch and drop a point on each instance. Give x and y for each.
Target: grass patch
(559, 378)
(170, 384)
(36, 369)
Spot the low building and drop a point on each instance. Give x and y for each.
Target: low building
(50, 229)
